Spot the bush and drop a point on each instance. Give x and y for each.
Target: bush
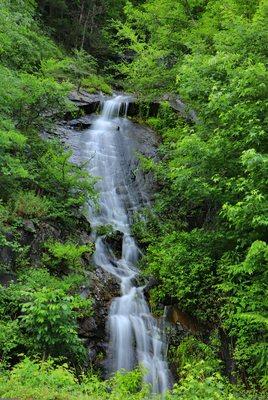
(65, 257)
(39, 316)
(49, 320)
(12, 167)
(94, 83)
(22, 44)
(32, 101)
(30, 205)
(200, 383)
(47, 381)
(103, 230)
(80, 69)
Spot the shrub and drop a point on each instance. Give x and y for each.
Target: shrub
(47, 381)
(103, 230)
(30, 205)
(63, 257)
(94, 83)
(49, 320)
(38, 316)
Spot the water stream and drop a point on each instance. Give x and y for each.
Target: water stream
(135, 336)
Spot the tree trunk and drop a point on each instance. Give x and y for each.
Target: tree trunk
(85, 27)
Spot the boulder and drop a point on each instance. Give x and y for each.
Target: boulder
(81, 123)
(89, 103)
(29, 226)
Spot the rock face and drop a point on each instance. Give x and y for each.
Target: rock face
(80, 123)
(114, 242)
(144, 141)
(102, 288)
(90, 103)
(6, 252)
(35, 235)
(87, 102)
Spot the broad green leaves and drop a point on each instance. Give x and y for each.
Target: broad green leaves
(207, 239)
(43, 315)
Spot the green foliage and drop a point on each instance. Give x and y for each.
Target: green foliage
(31, 101)
(49, 320)
(39, 316)
(83, 24)
(30, 205)
(38, 312)
(95, 83)
(183, 264)
(246, 285)
(46, 381)
(12, 168)
(79, 69)
(59, 186)
(199, 383)
(9, 338)
(22, 44)
(204, 240)
(206, 235)
(191, 351)
(200, 374)
(83, 66)
(65, 257)
(103, 230)
(69, 184)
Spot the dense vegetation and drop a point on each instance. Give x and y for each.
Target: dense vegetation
(38, 187)
(204, 239)
(206, 236)
(81, 24)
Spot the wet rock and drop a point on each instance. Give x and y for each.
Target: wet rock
(152, 283)
(45, 232)
(136, 108)
(89, 103)
(84, 238)
(6, 278)
(88, 328)
(102, 288)
(115, 241)
(182, 319)
(81, 123)
(7, 255)
(139, 140)
(29, 226)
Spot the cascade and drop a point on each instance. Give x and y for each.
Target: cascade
(135, 336)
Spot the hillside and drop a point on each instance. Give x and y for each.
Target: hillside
(133, 227)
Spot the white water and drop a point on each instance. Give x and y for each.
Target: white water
(134, 334)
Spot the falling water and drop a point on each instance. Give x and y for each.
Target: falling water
(134, 334)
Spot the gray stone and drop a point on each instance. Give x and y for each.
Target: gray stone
(29, 226)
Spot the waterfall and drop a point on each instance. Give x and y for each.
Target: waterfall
(134, 334)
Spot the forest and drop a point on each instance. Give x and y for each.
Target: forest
(202, 237)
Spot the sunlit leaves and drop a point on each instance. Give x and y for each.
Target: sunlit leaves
(213, 175)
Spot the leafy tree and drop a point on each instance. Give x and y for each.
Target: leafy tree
(50, 324)
(82, 65)
(42, 314)
(64, 257)
(206, 237)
